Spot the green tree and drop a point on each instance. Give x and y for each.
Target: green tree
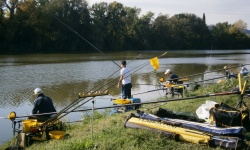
(221, 36)
(204, 17)
(65, 16)
(131, 21)
(98, 14)
(116, 26)
(238, 27)
(240, 39)
(188, 32)
(161, 32)
(144, 31)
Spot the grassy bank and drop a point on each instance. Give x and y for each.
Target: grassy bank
(109, 132)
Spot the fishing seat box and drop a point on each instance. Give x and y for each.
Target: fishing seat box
(135, 100)
(136, 106)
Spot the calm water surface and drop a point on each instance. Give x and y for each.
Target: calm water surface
(63, 76)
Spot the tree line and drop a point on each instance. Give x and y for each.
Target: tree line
(72, 26)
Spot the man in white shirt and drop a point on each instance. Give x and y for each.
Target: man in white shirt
(125, 79)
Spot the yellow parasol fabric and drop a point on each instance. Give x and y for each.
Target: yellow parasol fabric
(155, 63)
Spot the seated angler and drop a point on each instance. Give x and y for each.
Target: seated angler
(228, 74)
(42, 104)
(243, 70)
(173, 79)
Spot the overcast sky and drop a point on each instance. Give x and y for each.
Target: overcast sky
(215, 10)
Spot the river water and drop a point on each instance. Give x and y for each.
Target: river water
(63, 76)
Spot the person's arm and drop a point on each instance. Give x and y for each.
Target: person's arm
(121, 77)
(35, 107)
(120, 80)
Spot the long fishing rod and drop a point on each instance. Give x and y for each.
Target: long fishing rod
(89, 44)
(210, 71)
(70, 106)
(145, 65)
(152, 102)
(56, 117)
(137, 68)
(120, 68)
(173, 85)
(85, 40)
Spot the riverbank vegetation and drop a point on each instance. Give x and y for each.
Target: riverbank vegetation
(66, 26)
(108, 132)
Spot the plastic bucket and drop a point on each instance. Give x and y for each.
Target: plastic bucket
(29, 124)
(57, 134)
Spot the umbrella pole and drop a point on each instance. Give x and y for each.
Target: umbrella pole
(92, 120)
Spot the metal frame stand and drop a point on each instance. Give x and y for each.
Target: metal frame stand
(242, 90)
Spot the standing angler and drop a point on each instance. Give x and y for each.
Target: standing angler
(125, 78)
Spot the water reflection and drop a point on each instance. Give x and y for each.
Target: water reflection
(63, 76)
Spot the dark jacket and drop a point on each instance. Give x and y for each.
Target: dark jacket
(43, 104)
(173, 78)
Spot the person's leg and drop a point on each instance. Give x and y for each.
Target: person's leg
(33, 117)
(38, 118)
(123, 92)
(126, 91)
(129, 90)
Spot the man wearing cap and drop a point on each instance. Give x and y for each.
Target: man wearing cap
(228, 74)
(125, 79)
(173, 78)
(243, 70)
(42, 104)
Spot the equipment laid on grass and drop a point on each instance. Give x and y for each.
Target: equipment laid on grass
(188, 131)
(119, 101)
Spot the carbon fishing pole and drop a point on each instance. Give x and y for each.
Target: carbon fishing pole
(56, 117)
(152, 102)
(210, 71)
(63, 112)
(85, 40)
(89, 44)
(163, 87)
(119, 69)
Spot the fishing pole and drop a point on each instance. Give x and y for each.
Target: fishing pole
(137, 68)
(161, 89)
(85, 40)
(161, 101)
(152, 102)
(212, 71)
(77, 101)
(89, 44)
(176, 85)
(148, 84)
(52, 120)
(119, 69)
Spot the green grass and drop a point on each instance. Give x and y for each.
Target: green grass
(109, 132)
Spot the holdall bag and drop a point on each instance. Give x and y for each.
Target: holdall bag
(223, 115)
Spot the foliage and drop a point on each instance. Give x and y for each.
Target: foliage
(72, 26)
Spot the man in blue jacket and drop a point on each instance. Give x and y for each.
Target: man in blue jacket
(42, 104)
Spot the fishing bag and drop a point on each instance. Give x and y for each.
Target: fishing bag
(223, 115)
